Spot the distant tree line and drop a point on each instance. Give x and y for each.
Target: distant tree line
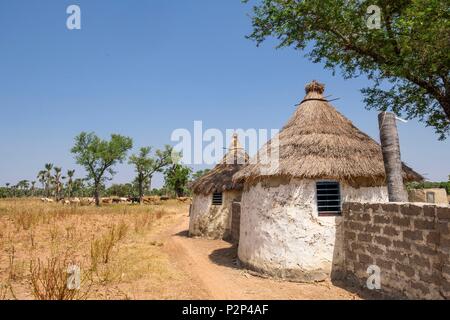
(99, 157)
(430, 185)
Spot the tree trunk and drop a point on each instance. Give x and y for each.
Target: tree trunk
(141, 191)
(96, 195)
(391, 156)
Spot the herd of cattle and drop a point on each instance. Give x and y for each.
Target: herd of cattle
(112, 200)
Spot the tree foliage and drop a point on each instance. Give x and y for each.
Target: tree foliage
(99, 156)
(408, 57)
(146, 166)
(176, 179)
(199, 174)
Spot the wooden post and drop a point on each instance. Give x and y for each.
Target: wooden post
(391, 156)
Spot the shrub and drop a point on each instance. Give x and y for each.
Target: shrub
(49, 280)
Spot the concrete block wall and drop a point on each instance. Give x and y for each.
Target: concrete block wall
(410, 243)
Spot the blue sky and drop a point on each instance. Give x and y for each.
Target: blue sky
(144, 68)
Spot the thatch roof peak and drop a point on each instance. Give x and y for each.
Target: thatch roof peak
(220, 178)
(318, 142)
(315, 86)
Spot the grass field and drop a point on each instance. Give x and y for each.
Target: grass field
(112, 245)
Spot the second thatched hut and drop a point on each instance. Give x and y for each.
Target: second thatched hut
(291, 212)
(214, 193)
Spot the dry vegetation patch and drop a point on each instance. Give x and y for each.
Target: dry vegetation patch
(111, 245)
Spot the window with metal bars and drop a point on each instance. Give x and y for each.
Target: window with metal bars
(328, 198)
(217, 199)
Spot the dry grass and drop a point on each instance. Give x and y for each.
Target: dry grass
(38, 241)
(49, 280)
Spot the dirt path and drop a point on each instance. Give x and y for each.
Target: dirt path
(210, 266)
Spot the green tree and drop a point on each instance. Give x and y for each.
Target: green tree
(199, 174)
(79, 188)
(41, 178)
(23, 187)
(407, 57)
(33, 188)
(176, 179)
(7, 192)
(48, 178)
(69, 183)
(99, 157)
(121, 190)
(56, 179)
(146, 166)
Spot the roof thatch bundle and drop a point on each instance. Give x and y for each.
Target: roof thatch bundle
(318, 142)
(220, 178)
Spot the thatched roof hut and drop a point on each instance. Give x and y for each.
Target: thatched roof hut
(290, 219)
(319, 142)
(214, 193)
(220, 178)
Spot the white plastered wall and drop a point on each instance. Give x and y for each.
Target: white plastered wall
(282, 234)
(211, 221)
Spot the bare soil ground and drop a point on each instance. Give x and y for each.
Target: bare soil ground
(212, 267)
(127, 252)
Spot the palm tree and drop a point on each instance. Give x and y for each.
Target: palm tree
(390, 146)
(14, 188)
(48, 177)
(79, 188)
(33, 187)
(42, 180)
(70, 174)
(8, 191)
(57, 181)
(23, 185)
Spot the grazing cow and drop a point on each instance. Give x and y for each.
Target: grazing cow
(134, 199)
(75, 201)
(107, 200)
(116, 200)
(87, 201)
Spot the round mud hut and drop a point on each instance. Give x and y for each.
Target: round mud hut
(291, 211)
(214, 193)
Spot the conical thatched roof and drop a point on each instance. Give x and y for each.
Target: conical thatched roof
(220, 178)
(320, 143)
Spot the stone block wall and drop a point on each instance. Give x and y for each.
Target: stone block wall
(410, 243)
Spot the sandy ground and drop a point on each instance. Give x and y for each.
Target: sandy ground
(212, 271)
(155, 259)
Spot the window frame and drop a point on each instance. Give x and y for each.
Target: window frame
(329, 213)
(433, 196)
(215, 194)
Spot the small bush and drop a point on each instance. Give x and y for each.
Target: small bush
(101, 248)
(6, 291)
(25, 220)
(49, 280)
